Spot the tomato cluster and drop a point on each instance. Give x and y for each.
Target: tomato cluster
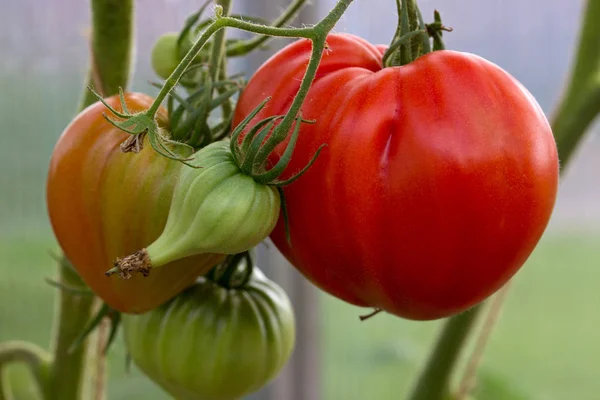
(437, 181)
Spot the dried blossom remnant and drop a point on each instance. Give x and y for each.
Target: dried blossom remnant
(134, 143)
(136, 263)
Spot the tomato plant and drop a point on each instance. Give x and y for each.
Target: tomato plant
(438, 179)
(214, 342)
(105, 204)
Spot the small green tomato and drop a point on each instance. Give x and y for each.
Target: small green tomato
(216, 208)
(165, 54)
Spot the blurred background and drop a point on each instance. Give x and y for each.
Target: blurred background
(545, 344)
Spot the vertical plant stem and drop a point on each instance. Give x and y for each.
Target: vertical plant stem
(218, 49)
(37, 360)
(579, 107)
(68, 372)
(111, 48)
(111, 53)
(580, 103)
(434, 381)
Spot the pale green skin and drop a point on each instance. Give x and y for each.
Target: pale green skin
(215, 209)
(211, 343)
(165, 57)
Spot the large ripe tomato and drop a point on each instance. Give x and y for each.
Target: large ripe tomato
(105, 204)
(214, 343)
(438, 179)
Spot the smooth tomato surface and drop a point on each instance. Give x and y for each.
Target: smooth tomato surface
(438, 179)
(105, 204)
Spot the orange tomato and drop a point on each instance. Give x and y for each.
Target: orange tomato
(105, 204)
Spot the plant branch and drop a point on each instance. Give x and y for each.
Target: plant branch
(434, 381)
(37, 360)
(316, 34)
(581, 101)
(68, 375)
(244, 47)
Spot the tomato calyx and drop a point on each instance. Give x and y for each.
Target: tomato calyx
(253, 151)
(142, 124)
(413, 35)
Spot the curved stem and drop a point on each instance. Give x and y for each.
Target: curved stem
(37, 360)
(111, 54)
(244, 47)
(317, 33)
(318, 36)
(573, 116)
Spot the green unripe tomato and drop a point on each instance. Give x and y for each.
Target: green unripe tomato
(216, 208)
(214, 343)
(165, 54)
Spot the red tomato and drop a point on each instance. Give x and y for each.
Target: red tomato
(438, 179)
(105, 204)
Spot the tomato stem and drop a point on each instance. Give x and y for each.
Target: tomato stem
(412, 37)
(243, 47)
(434, 382)
(111, 53)
(37, 360)
(580, 103)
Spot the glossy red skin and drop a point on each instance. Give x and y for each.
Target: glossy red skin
(105, 204)
(436, 184)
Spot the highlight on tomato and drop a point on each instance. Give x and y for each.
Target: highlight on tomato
(105, 204)
(224, 337)
(437, 180)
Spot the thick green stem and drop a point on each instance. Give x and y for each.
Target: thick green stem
(111, 53)
(577, 110)
(580, 103)
(403, 49)
(111, 47)
(37, 360)
(69, 375)
(434, 381)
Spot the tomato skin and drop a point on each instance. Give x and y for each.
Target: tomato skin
(438, 179)
(105, 204)
(165, 55)
(213, 343)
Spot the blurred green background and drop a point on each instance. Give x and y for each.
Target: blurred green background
(544, 346)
